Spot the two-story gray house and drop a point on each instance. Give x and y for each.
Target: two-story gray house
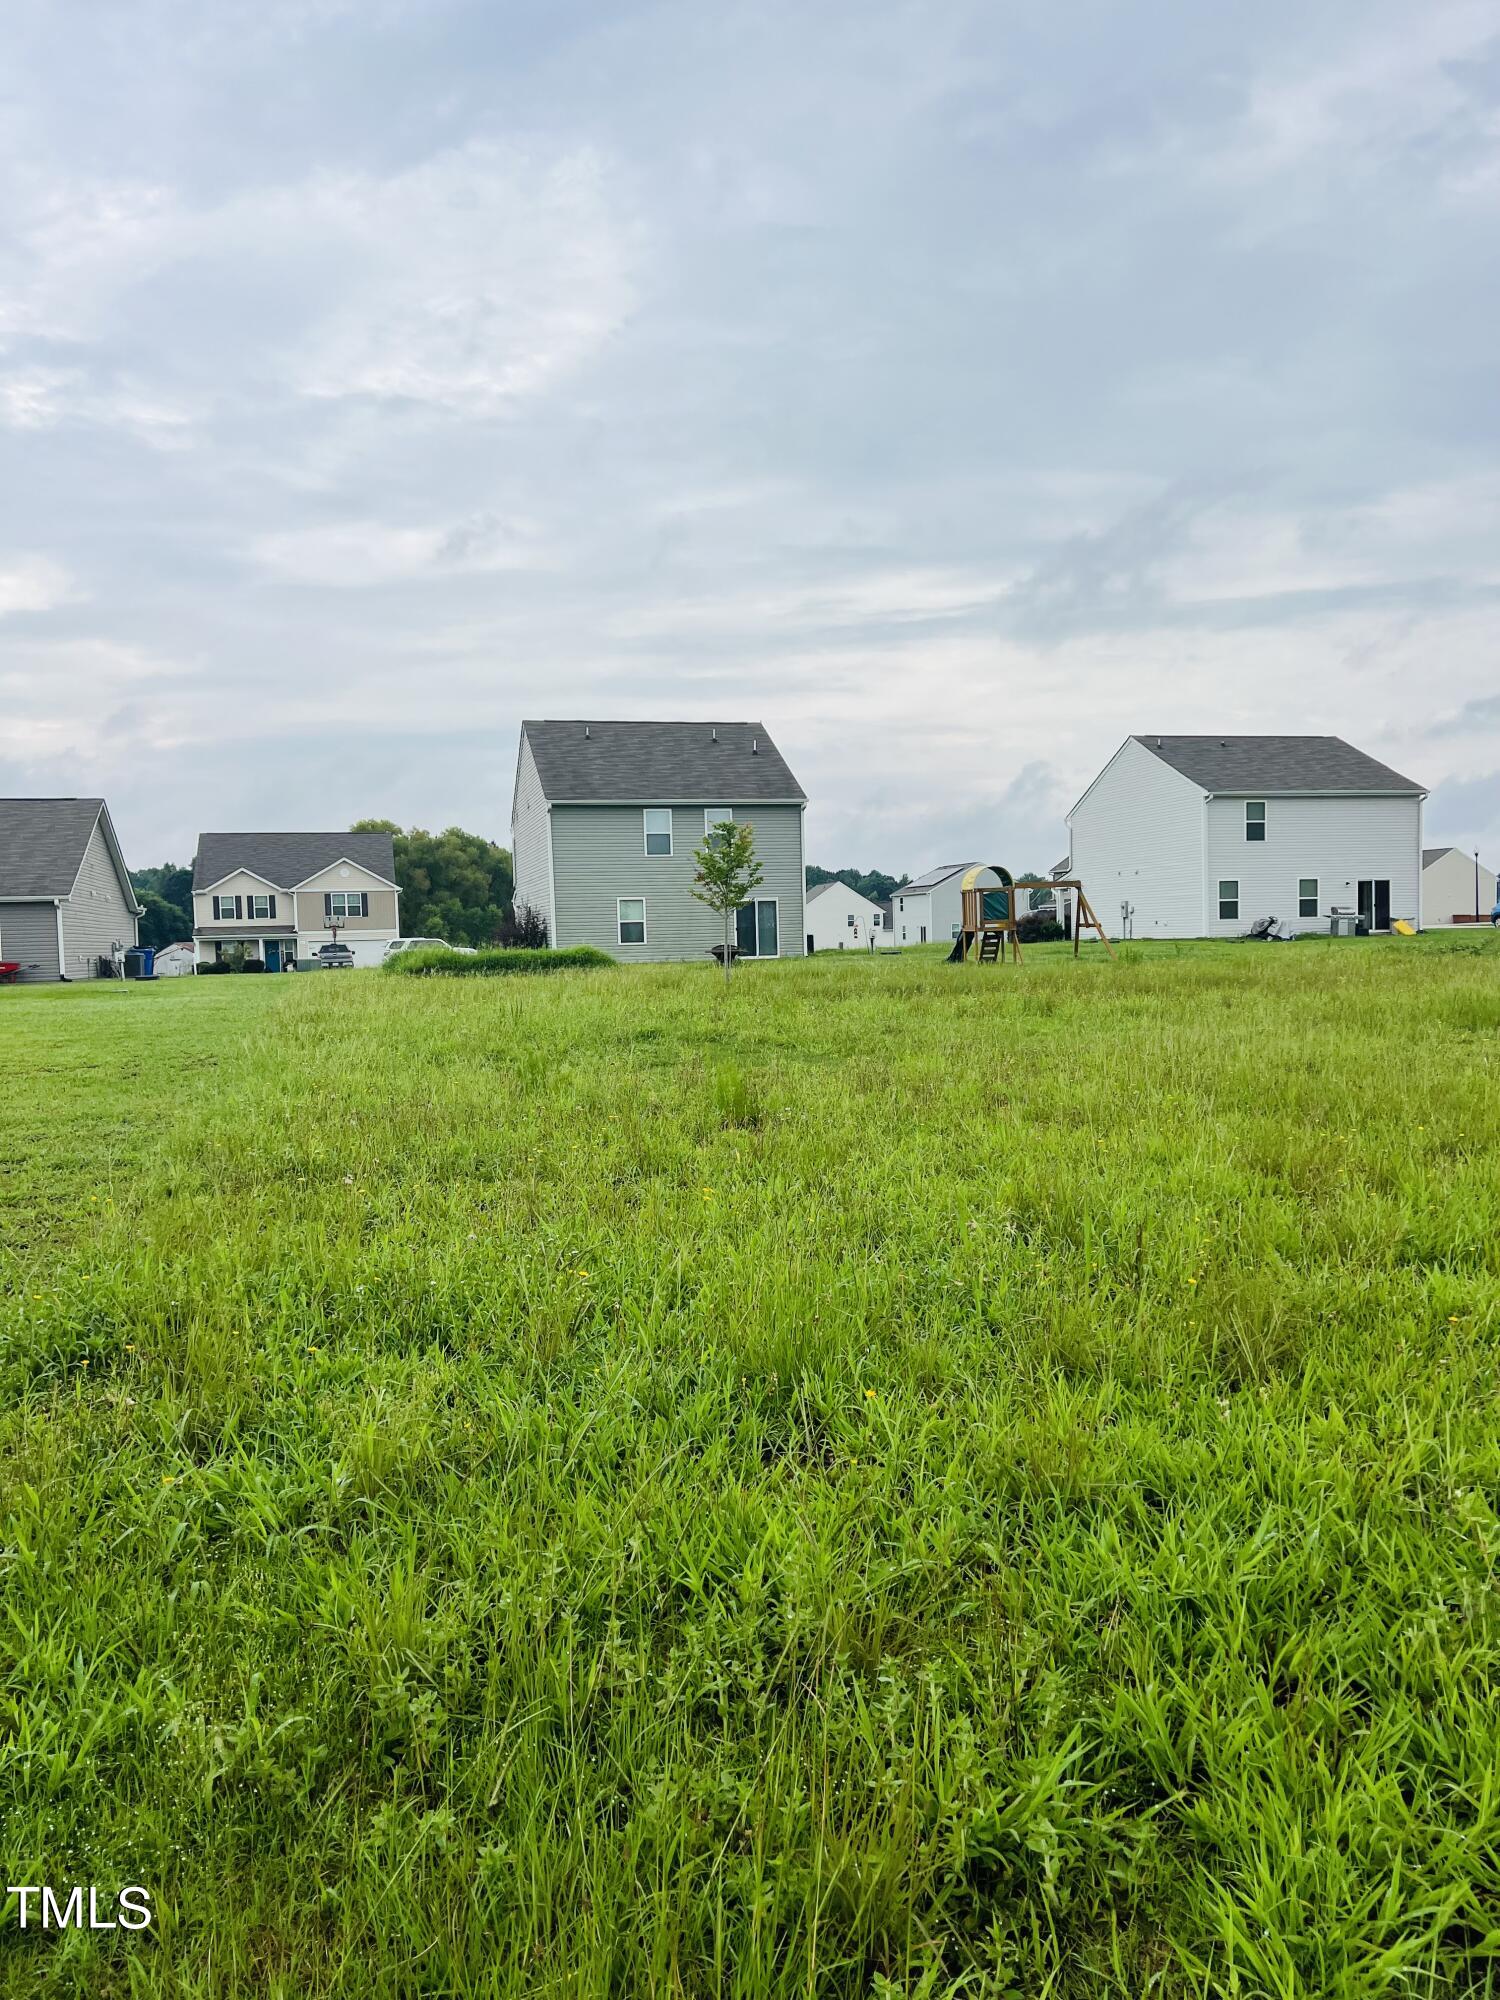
(605, 819)
(65, 897)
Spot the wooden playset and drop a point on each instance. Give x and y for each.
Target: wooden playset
(991, 914)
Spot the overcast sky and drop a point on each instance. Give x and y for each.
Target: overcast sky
(953, 387)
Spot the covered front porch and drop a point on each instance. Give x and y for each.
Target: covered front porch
(249, 947)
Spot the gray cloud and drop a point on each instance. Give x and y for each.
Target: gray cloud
(951, 389)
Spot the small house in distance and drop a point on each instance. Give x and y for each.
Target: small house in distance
(931, 909)
(605, 819)
(840, 919)
(1457, 888)
(273, 898)
(1203, 835)
(65, 895)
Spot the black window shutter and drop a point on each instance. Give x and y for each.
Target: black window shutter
(364, 904)
(272, 901)
(327, 906)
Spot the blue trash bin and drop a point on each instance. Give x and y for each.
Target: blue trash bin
(148, 961)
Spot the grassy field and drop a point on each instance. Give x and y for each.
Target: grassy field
(894, 1480)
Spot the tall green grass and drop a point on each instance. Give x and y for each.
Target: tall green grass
(887, 1479)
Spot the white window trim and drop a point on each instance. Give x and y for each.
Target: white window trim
(716, 816)
(631, 944)
(1315, 898)
(1261, 822)
(751, 905)
(1220, 899)
(646, 832)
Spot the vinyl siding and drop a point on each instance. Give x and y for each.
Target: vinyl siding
(828, 920)
(28, 933)
(1338, 840)
(530, 833)
(240, 883)
(312, 922)
(598, 856)
(97, 915)
(1137, 837)
(1448, 888)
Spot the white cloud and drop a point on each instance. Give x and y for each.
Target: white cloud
(33, 583)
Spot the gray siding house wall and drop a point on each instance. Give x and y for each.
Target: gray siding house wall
(599, 855)
(28, 934)
(95, 917)
(579, 833)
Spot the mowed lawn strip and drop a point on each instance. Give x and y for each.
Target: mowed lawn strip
(892, 1478)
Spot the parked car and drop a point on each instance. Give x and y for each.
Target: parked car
(334, 956)
(414, 944)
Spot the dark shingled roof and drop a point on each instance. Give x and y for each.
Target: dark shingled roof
(675, 763)
(1276, 764)
(933, 877)
(1431, 854)
(42, 843)
(285, 859)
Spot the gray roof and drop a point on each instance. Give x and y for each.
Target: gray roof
(933, 877)
(1431, 854)
(285, 859)
(42, 843)
(1276, 764)
(676, 763)
(818, 888)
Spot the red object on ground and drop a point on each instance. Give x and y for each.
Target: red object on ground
(9, 971)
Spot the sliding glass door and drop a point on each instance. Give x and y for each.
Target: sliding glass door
(756, 929)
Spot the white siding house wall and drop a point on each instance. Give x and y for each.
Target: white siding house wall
(1138, 837)
(28, 935)
(829, 915)
(531, 840)
(1335, 839)
(1448, 888)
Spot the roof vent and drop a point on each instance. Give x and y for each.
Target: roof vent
(585, 729)
(715, 734)
(754, 746)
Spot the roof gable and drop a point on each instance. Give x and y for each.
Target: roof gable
(673, 763)
(1275, 764)
(934, 878)
(285, 859)
(43, 842)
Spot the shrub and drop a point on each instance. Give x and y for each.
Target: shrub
(527, 929)
(1039, 930)
(213, 965)
(577, 958)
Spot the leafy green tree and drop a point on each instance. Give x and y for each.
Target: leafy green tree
(454, 885)
(878, 888)
(727, 874)
(166, 895)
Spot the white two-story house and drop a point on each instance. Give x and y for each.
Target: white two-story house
(1200, 836)
(605, 820)
(275, 897)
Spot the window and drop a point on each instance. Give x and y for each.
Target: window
(632, 919)
(756, 930)
(1255, 819)
(922, 935)
(1229, 901)
(226, 909)
(260, 906)
(345, 903)
(658, 829)
(1307, 896)
(849, 920)
(716, 816)
(956, 929)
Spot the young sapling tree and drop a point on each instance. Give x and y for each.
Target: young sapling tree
(727, 875)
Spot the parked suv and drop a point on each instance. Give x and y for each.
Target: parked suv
(415, 944)
(333, 956)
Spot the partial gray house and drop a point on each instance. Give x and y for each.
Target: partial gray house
(65, 894)
(605, 819)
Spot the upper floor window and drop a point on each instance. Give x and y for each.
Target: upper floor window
(345, 903)
(658, 830)
(1255, 819)
(260, 906)
(716, 816)
(227, 909)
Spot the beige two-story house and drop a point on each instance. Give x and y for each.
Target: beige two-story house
(275, 897)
